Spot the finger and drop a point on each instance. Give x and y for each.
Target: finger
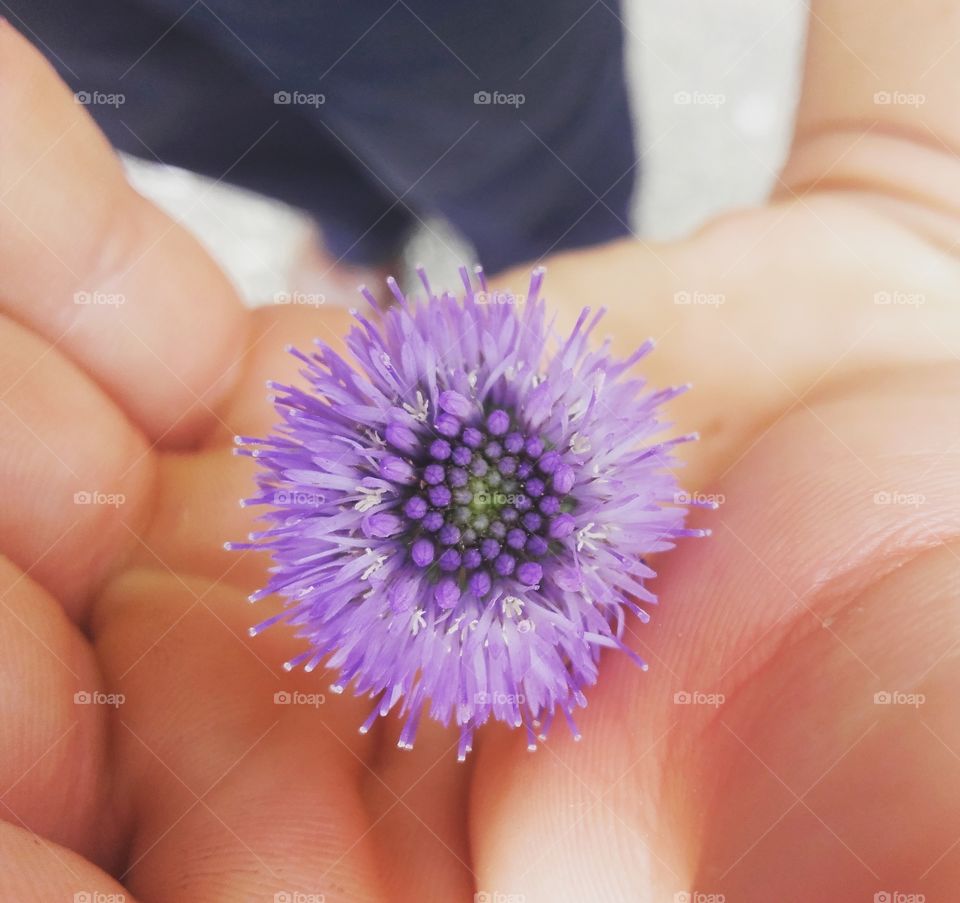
(76, 478)
(200, 510)
(239, 794)
(94, 268)
(781, 626)
(35, 870)
(53, 746)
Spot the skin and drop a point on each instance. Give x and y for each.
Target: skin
(812, 595)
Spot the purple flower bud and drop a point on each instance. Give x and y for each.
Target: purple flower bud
(440, 449)
(402, 438)
(433, 521)
(457, 477)
(449, 535)
(524, 469)
(549, 505)
(449, 560)
(422, 552)
(462, 455)
(531, 521)
(472, 437)
(446, 593)
(561, 526)
(522, 503)
(516, 538)
(505, 564)
(549, 462)
(454, 403)
(529, 573)
(448, 425)
(480, 584)
(497, 529)
(472, 559)
(498, 422)
(534, 487)
(537, 546)
(396, 470)
(489, 548)
(513, 443)
(479, 467)
(433, 474)
(381, 525)
(507, 466)
(534, 446)
(493, 450)
(439, 496)
(508, 515)
(563, 479)
(415, 507)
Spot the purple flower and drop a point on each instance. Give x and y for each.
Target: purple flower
(460, 516)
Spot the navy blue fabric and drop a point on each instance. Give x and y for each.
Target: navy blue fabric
(399, 134)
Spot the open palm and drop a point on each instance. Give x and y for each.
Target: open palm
(142, 733)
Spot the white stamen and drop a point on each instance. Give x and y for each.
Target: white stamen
(579, 444)
(586, 536)
(417, 623)
(375, 438)
(380, 560)
(512, 606)
(418, 411)
(371, 498)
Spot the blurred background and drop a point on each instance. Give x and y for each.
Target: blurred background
(714, 86)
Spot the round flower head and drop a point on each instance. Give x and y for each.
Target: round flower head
(459, 517)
